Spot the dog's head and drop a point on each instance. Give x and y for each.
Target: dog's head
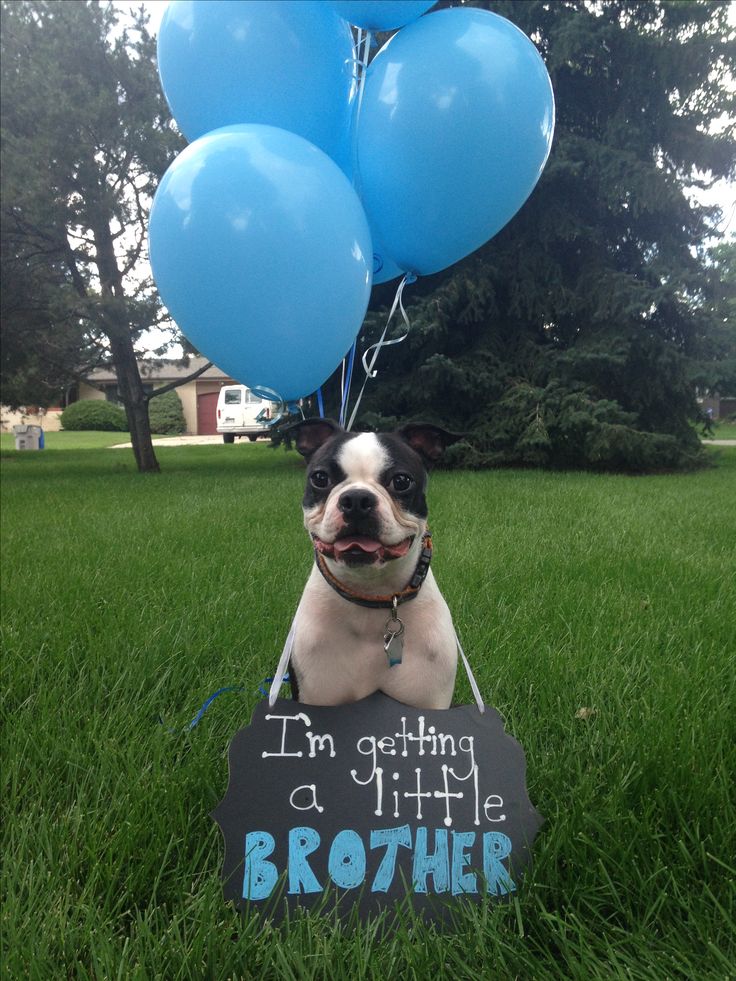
(364, 503)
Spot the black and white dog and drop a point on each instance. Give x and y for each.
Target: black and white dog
(371, 617)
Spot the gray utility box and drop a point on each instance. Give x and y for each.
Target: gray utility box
(28, 437)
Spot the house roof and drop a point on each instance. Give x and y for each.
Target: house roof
(163, 370)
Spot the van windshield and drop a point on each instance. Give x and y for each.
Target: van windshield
(232, 396)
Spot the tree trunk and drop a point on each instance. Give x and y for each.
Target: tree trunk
(130, 386)
(133, 397)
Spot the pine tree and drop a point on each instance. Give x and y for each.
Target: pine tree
(570, 339)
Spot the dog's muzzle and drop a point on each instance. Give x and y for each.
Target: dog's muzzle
(356, 549)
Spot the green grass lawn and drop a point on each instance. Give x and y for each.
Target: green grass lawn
(724, 430)
(130, 597)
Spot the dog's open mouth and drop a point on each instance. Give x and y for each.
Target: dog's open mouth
(358, 549)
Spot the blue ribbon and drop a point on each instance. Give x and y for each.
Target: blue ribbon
(267, 681)
(221, 691)
(210, 700)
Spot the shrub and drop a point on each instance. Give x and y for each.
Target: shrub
(94, 414)
(166, 414)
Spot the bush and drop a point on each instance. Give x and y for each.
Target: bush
(166, 414)
(94, 414)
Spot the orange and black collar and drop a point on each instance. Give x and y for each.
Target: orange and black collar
(387, 602)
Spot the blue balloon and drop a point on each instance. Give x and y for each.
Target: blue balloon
(381, 15)
(384, 268)
(455, 129)
(261, 251)
(287, 64)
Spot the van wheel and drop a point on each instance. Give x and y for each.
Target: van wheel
(252, 438)
(228, 437)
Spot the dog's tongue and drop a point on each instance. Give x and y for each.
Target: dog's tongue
(357, 541)
(371, 547)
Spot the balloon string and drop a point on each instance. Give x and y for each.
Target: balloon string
(397, 340)
(347, 378)
(360, 63)
(369, 369)
(361, 67)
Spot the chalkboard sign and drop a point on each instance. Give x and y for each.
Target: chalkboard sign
(366, 803)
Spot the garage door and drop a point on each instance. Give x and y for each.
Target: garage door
(207, 414)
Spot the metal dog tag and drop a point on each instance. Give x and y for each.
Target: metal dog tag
(393, 640)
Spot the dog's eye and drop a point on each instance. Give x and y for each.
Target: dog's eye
(319, 479)
(401, 482)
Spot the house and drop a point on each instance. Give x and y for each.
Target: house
(198, 397)
(718, 407)
(30, 415)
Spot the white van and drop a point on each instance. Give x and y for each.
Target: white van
(241, 413)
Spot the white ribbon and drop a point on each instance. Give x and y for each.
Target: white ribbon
(471, 677)
(369, 369)
(283, 665)
(360, 62)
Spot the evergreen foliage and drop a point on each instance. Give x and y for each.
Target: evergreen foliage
(166, 414)
(572, 339)
(94, 415)
(86, 135)
(714, 370)
(39, 359)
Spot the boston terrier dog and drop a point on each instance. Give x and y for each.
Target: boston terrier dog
(371, 617)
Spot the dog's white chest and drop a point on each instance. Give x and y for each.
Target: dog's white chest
(339, 654)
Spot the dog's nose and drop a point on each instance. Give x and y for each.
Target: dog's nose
(357, 503)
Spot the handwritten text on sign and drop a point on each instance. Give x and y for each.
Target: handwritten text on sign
(375, 797)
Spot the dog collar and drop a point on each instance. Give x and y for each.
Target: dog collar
(391, 600)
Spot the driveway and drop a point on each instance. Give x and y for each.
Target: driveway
(175, 441)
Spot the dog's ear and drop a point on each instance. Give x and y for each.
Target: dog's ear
(310, 434)
(429, 441)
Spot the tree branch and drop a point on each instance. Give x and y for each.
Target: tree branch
(135, 255)
(176, 384)
(77, 278)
